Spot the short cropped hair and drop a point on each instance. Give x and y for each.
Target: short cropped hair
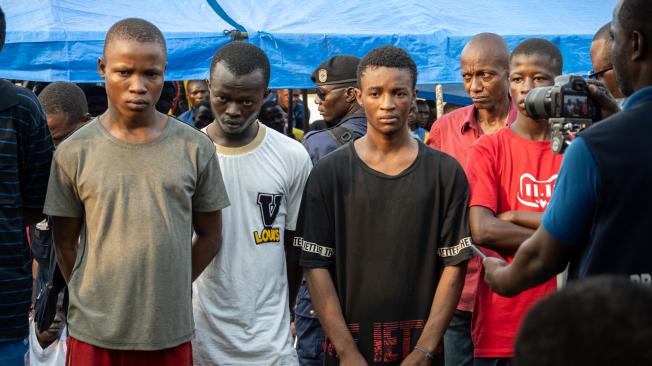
(3, 28)
(602, 35)
(242, 58)
(600, 321)
(135, 29)
(636, 15)
(64, 97)
(539, 46)
(201, 81)
(388, 56)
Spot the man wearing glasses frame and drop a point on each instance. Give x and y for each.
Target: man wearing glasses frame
(601, 62)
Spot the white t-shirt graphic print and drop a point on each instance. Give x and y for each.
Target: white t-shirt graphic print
(240, 301)
(535, 193)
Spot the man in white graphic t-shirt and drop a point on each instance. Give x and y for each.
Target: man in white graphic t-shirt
(242, 300)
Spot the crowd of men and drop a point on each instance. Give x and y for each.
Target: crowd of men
(216, 238)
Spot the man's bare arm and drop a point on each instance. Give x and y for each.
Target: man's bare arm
(443, 306)
(327, 306)
(536, 261)
(65, 233)
(527, 219)
(491, 232)
(206, 243)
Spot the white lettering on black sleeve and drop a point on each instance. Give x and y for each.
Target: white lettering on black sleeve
(642, 278)
(310, 247)
(454, 250)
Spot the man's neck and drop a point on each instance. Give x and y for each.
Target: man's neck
(531, 129)
(388, 154)
(147, 127)
(643, 81)
(353, 108)
(387, 144)
(492, 120)
(219, 137)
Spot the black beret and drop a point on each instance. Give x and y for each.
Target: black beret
(338, 69)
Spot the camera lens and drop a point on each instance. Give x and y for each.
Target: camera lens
(537, 103)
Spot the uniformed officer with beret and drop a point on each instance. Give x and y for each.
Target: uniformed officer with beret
(335, 81)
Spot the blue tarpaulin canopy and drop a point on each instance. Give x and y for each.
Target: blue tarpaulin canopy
(51, 40)
(62, 39)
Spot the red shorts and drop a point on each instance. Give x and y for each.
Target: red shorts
(84, 354)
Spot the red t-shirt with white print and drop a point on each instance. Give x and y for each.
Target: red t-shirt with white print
(508, 172)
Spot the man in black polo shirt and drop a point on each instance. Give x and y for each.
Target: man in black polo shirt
(385, 264)
(599, 215)
(25, 157)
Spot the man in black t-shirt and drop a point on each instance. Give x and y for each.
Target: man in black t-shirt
(383, 230)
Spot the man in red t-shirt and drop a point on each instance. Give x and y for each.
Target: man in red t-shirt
(511, 174)
(485, 70)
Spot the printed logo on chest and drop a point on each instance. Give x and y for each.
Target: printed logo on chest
(535, 193)
(269, 205)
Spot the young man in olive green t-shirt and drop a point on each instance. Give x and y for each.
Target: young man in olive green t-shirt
(134, 183)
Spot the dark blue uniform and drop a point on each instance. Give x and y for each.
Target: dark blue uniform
(310, 345)
(188, 117)
(320, 143)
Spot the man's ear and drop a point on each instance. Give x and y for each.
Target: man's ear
(358, 95)
(638, 45)
(350, 94)
(101, 67)
(85, 118)
(268, 91)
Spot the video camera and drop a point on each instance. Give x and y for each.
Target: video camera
(567, 106)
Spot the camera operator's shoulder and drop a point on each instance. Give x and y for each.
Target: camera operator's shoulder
(628, 120)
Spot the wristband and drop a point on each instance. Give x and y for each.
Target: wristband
(428, 354)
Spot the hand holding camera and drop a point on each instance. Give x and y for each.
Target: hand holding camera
(570, 106)
(599, 92)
